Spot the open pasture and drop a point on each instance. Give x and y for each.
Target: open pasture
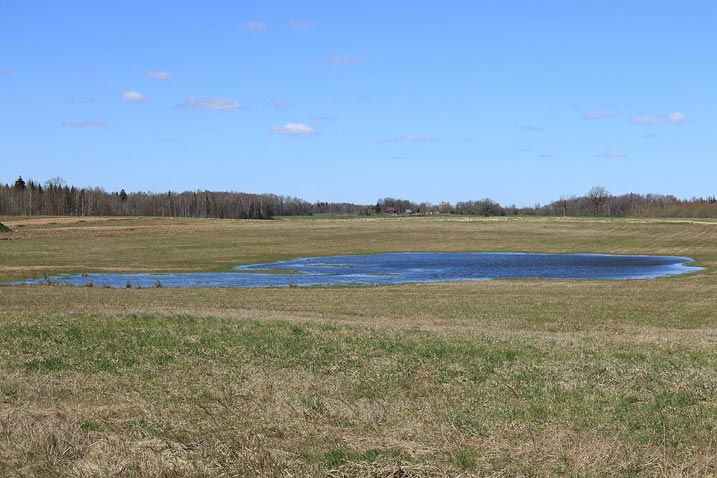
(497, 378)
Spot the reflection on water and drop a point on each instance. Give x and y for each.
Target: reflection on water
(402, 267)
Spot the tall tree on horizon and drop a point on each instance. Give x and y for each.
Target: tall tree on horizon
(598, 195)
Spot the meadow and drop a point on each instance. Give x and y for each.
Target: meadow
(495, 378)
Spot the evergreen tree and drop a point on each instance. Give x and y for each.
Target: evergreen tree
(20, 183)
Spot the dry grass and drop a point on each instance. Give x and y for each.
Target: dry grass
(136, 244)
(39, 443)
(498, 378)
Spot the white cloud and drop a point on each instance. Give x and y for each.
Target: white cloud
(537, 129)
(408, 137)
(294, 129)
(611, 155)
(209, 104)
(413, 137)
(644, 119)
(158, 75)
(342, 60)
(673, 118)
(302, 24)
(134, 96)
(593, 115)
(256, 26)
(281, 105)
(676, 118)
(81, 100)
(84, 124)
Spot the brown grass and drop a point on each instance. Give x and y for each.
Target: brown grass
(498, 378)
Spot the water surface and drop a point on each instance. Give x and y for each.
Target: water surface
(403, 267)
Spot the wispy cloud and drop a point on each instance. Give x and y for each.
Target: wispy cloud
(676, 118)
(5, 72)
(644, 119)
(611, 155)
(412, 137)
(158, 75)
(343, 60)
(293, 129)
(256, 26)
(594, 115)
(301, 24)
(281, 105)
(209, 104)
(323, 118)
(545, 156)
(134, 96)
(671, 118)
(86, 100)
(408, 137)
(529, 127)
(84, 124)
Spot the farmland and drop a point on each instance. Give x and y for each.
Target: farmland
(503, 378)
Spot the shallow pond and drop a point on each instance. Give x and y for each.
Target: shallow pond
(403, 267)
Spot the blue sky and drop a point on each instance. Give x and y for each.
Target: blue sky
(518, 101)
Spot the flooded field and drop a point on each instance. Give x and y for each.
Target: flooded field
(401, 268)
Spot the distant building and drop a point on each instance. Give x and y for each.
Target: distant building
(391, 210)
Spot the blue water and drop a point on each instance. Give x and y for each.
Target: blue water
(403, 267)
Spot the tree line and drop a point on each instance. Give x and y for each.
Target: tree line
(598, 201)
(55, 198)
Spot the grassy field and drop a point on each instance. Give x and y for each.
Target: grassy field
(497, 378)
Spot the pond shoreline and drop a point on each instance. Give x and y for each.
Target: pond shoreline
(398, 268)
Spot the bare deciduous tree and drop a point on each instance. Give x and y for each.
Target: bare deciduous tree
(55, 182)
(598, 195)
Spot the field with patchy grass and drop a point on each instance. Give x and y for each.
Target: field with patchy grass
(497, 378)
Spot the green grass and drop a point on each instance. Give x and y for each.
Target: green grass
(510, 378)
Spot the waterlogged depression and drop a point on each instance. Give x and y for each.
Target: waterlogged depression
(400, 268)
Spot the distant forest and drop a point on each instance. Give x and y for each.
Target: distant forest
(55, 198)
